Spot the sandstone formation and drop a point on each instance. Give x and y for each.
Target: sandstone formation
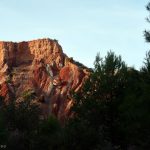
(40, 67)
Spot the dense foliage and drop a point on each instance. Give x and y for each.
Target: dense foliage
(112, 111)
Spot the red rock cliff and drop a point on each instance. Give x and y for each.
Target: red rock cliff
(42, 67)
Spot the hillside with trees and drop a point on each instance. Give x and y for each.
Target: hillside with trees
(110, 112)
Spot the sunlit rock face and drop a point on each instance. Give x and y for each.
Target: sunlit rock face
(40, 66)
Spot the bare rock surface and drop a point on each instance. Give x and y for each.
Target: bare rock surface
(40, 66)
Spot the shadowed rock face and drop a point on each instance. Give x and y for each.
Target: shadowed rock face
(42, 67)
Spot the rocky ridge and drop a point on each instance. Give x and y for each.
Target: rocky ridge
(41, 68)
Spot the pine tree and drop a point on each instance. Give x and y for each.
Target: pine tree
(95, 121)
(147, 32)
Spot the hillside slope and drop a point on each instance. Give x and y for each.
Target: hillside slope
(40, 67)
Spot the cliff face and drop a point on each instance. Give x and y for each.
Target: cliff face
(40, 67)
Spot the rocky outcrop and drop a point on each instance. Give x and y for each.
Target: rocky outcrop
(42, 67)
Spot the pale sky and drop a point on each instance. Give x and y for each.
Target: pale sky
(82, 27)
